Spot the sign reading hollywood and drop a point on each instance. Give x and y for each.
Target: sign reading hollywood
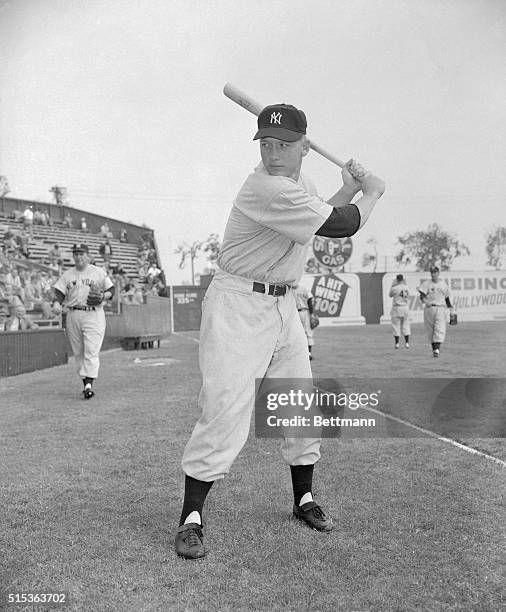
(332, 252)
(329, 293)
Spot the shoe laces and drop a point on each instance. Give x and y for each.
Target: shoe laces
(318, 512)
(194, 537)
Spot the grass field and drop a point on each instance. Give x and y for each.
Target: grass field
(91, 493)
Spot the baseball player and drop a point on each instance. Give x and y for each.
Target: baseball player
(435, 296)
(400, 310)
(304, 304)
(250, 326)
(82, 290)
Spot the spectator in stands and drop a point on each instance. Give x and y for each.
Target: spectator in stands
(105, 231)
(153, 272)
(162, 289)
(3, 294)
(142, 263)
(38, 216)
(123, 235)
(18, 320)
(126, 294)
(105, 251)
(11, 293)
(138, 295)
(83, 226)
(23, 241)
(29, 294)
(55, 258)
(10, 246)
(68, 221)
(28, 220)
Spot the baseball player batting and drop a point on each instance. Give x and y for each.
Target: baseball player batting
(250, 325)
(399, 315)
(82, 290)
(435, 296)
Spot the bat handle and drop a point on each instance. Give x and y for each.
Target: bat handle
(332, 158)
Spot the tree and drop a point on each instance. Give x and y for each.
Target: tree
(210, 246)
(191, 251)
(369, 259)
(496, 246)
(433, 246)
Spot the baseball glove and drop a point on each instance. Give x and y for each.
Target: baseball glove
(95, 296)
(453, 318)
(314, 321)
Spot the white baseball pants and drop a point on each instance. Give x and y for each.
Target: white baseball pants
(434, 319)
(244, 335)
(85, 330)
(401, 324)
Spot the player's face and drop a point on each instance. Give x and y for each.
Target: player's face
(282, 158)
(434, 276)
(80, 259)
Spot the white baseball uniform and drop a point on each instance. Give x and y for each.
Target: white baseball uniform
(302, 295)
(247, 335)
(85, 325)
(399, 314)
(434, 314)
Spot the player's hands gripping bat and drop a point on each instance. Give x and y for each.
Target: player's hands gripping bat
(95, 296)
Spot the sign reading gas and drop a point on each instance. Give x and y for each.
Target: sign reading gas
(332, 252)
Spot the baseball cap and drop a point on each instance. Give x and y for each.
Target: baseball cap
(282, 121)
(434, 269)
(80, 247)
(399, 277)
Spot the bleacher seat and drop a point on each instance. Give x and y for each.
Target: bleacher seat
(44, 236)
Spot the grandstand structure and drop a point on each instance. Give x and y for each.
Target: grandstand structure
(25, 250)
(44, 236)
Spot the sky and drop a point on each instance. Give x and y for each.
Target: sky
(121, 102)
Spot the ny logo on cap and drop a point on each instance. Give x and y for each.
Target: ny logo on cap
(276, 118)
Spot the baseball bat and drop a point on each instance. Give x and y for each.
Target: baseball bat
(254, 107)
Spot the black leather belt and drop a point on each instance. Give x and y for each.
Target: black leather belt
(440, 305)
(82, 308)
(275, 290)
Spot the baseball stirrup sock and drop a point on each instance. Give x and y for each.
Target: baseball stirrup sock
(302, 481)
(195, 493)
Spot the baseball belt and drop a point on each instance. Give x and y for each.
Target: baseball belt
(274, 290)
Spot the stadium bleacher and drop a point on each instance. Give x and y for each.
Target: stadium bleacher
(44, 236)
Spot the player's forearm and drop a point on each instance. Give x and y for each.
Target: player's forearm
(365, 206)
(344, 196)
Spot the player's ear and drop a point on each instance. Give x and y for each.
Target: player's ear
(306, 144)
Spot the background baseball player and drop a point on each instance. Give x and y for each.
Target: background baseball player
(250, 326)
(82, 290)
(304, 303)
(399, 315)
(435, 296)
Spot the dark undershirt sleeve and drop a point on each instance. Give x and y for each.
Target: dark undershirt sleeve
(58, 295)
(111, 290)
(343, 221)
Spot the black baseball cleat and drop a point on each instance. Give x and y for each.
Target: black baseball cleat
(88, 393)
(189, 541)
(313, 515)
